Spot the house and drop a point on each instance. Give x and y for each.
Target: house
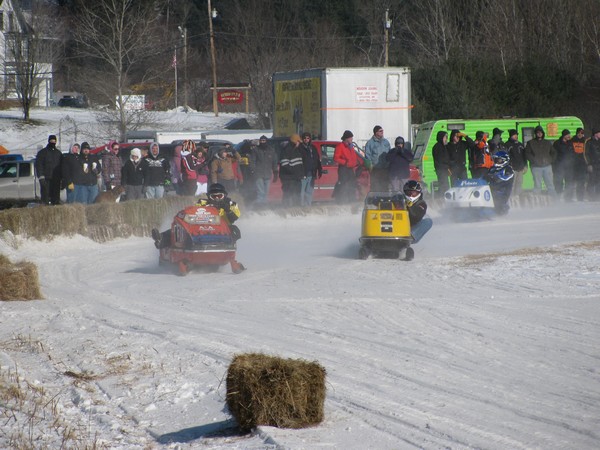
(26, 66)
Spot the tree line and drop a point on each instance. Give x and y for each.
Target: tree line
(469, 58)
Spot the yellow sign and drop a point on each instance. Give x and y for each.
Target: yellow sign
(297, 107)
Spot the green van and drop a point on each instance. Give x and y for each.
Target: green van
(427, 132)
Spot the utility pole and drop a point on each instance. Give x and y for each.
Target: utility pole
(386, 27)
(183, 32)
(174, 64)
(212, 14)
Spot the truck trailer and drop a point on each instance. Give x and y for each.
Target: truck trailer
(327, 101)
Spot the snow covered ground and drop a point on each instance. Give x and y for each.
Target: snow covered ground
(488, 339)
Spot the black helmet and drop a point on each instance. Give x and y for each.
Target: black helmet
(412, 189)
(413, 185)
(216, 192)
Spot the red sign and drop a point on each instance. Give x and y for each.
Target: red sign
(230, 96)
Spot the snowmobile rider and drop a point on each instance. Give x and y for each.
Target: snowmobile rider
(417, 208)
(501, 178)
(217, 197)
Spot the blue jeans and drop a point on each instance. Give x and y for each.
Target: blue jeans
(306, 191)
(262, 189)
(419, 229)
(155, 191)
(543, 173)
(70, 195)
(86, 194)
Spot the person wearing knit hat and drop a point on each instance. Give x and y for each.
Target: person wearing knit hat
(579, 164)
(312, 169)
(376, 151)
(291, 171)
(133, 176)
(347, 134)
(562, 166)
(540, 154)
(496, 143)
(592, 156)
(86, 176)
(399, 159)
(458, 147)
(112, 166)
(348, 161)
(48, 167)
(264, 160)
(516, 153)
(480, 159)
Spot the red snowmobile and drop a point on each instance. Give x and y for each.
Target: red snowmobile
(200, 237)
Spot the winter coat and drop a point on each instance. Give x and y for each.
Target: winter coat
(227, 208)
(416, 210)
(48, 162)
(592, 152)
(540, 152)
(223, 168)
(376, 151)
(480, 155)
(501, 181)
(111, 169)
(516, 151)
(156, 170)
(565, 153)
(311, 161)
(578, 148)
(290, 163)
(399, 160)
(345, 156)
(263, 160)
(189, 166)
(441, 158)
(87, 169)
(132, 174)
(69, 167)
(457, 153)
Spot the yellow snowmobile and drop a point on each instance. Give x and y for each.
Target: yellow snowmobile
(385, 227)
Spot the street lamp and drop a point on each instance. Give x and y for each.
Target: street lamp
(212, 14)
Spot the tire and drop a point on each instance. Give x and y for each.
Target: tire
(410, 254)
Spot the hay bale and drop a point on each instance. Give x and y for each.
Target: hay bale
(267, 390)
(19, 281)
(43, 222)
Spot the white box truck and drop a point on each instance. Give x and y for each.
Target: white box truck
(327, 101)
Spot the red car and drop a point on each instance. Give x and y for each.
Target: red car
(324, 186)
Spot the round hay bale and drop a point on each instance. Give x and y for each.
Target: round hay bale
(268, 390)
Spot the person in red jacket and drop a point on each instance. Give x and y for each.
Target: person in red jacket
(348, 161)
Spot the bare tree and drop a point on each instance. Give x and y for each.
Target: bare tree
(33, 45)
(120, 37)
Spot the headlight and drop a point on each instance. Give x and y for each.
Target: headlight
(476, 194)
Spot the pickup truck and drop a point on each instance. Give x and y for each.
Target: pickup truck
(18, 181)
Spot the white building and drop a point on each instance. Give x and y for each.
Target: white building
(15, 28)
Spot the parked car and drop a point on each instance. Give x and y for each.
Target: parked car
(73, 102)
